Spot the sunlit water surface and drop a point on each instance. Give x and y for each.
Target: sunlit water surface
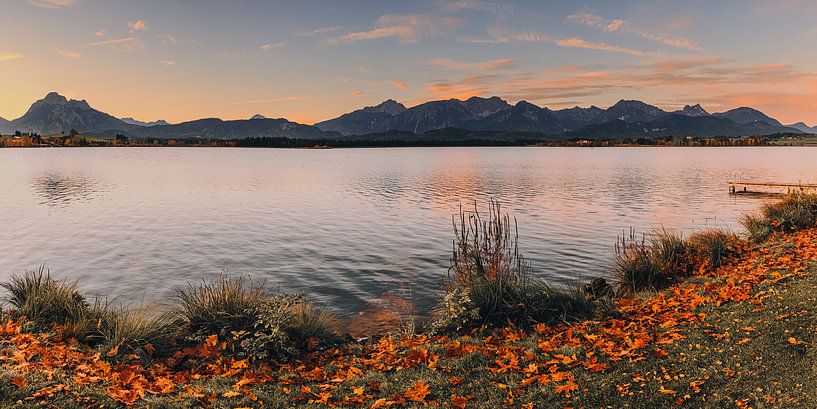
(348, 225)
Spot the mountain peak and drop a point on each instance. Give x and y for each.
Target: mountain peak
(53, 98)
(388, 106)
(692, 110)
(746, 115)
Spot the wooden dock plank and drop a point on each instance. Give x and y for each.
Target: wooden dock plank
(759, 186)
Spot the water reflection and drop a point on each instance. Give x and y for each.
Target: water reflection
(348, 225)
(62, 190)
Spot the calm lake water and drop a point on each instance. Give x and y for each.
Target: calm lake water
(348, 225)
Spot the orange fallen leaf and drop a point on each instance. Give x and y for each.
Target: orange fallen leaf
(794, 341)
(19, 381)
(666, 391)
(418, 392)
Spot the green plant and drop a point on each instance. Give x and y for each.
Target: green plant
(710, 248)
(455, 312)
(132, 330)
(220, 306)
(44, 301)
(308, 324)
(670, 253)
(794, 212)
(241, 314)
(492, 280)
(267, 338)
(635, 267)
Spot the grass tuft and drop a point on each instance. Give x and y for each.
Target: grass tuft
(308, 325)
(220, 306)
(635, 267)
(709, 248)
(46, 302)
(139, 330)
(493, 284)
(795, 211)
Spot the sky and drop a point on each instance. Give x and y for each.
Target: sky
(309, 61)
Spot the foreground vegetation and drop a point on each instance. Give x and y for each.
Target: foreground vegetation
(710, 320)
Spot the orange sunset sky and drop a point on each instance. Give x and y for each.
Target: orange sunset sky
(312, 60)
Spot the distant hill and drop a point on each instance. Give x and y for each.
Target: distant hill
(677, 125)
(804, 128)
(214, 128)
(475, 117)
(746, 115)
(391, 115)
(132, 121)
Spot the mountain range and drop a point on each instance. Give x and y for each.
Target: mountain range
(55, 114)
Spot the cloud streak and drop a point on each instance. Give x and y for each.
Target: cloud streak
(272, 46)
(68, 53)
(52, 4)
(10, 56)
(623, 26)
(406, 28)
(318, 31)
(455, 65)
(120, 44)
(581, 43)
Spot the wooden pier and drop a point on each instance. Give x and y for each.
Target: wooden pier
(740, 187)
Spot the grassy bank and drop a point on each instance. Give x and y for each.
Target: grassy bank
(710, 320)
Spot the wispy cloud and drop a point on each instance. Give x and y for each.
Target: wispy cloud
(10, 56)
(100, 33)
(623, 26)
(488, 6)
(52, 4)
(120, 44)
(68, 53)
(406, 28)
(267, 100)
(399, 85)
(782, 90)
(272, 46)
(168, 63)
(581, 43)
(455, 65)
(501, 35)
(167, 38)
(138, 25)
(318, 31)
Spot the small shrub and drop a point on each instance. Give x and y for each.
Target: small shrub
(266, 338)
(794, 212)
(493, 284)
(456, 312)
(635, 267)
(670, 253)
(564, 304)
(238, 311)
(132, 330)
(709, 248)
(45, 301)
(308, 324)
(220, 306)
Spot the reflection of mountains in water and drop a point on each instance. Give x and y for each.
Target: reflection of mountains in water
(62, 190)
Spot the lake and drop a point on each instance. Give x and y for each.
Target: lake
(347, 226)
